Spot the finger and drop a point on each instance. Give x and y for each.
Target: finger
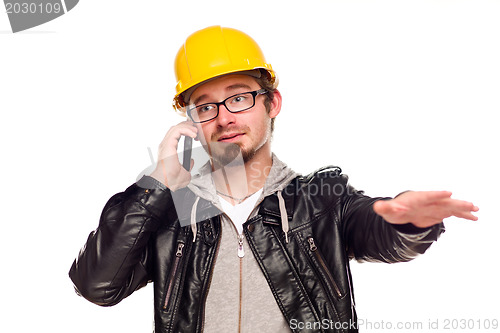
(466, 205)
(466, 215)
(458, 205)
(182, 126)
(173, 136)
(188, 130)
(430, 196)
(464, 210)
(449, 208)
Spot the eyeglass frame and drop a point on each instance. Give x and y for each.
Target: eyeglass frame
(254, 94)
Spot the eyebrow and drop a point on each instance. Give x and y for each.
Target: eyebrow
(228, 88)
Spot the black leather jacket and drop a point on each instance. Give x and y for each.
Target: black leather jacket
(140, 240)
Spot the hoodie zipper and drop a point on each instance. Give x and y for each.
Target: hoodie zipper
(314, 249)
(241, 251)
(173, 274)
(241, 254)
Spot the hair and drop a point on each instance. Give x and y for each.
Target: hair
(265, 83)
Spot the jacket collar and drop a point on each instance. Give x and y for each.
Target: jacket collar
(269, 208)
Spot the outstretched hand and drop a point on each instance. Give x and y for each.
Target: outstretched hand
(424, 209)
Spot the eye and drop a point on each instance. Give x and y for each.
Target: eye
(205, 108)
(238, 99)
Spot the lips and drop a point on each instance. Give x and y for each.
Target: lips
(230, 137)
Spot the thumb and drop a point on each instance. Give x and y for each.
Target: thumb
(382, 207)
(390, 210)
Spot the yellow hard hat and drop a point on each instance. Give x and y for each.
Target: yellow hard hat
(216, 51)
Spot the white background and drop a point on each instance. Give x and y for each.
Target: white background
(400, 94)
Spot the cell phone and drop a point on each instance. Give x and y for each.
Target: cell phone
(186, 155)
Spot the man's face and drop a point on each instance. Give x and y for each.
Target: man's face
(248, 131)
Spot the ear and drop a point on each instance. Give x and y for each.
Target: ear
(275, 105)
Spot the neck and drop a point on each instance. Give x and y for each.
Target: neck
(241, 180)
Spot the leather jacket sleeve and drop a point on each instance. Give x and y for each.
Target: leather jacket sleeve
(369, 237)
(116, 259)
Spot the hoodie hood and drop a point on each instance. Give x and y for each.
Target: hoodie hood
(279, 177)
(202, 185)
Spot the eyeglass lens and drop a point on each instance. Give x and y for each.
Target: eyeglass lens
(235, 103)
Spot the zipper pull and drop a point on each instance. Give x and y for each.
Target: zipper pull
(241, 252)
(312, 245)
(180, 247)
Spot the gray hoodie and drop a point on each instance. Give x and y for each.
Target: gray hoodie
(239, 298)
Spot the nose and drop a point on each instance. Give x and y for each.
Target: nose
(225, 117)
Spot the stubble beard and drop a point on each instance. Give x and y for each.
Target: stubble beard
(224, 154)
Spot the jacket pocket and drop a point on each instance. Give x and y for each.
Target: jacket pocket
(173, 275)
(322, 266)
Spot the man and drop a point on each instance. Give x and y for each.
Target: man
(247, 245)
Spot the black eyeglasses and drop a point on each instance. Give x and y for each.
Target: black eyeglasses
(236, 103)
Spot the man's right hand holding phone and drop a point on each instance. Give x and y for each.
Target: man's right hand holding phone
(169, 170)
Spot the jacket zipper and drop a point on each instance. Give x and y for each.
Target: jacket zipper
(241, 254)
(178, 256)
(314, 248)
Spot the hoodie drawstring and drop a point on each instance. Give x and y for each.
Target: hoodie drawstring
(194, 229)
(284, 217)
